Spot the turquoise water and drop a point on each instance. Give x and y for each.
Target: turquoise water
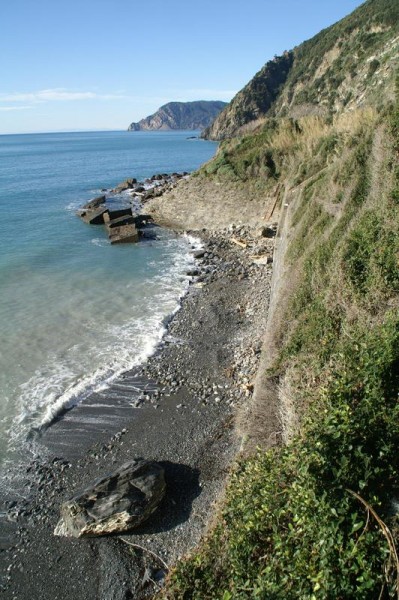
(74, 310)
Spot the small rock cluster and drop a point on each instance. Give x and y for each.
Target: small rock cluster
(37, 479)
(153, 187)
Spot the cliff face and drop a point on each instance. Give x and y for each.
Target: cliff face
(181, 115)
(253, 101)
(343, 67)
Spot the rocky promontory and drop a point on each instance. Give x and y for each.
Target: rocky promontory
(181, 115)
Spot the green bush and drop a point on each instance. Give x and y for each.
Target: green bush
(360, 251)
(372, 255)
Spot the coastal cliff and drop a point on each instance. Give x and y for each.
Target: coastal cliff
(253, 101)
(180, 115)
(342, 68)
(310, 509)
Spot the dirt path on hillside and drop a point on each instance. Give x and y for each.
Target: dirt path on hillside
(206, 203)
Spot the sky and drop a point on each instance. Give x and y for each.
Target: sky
(70, 65)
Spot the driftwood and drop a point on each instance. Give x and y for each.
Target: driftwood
(238, 242)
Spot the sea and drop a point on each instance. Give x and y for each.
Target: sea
(75, 312)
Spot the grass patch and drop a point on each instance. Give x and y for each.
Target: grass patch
(371, 257)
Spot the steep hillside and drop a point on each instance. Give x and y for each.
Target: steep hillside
(342, 67)
(254, 100)
(314, 514)
(180, 115)
(311, 509)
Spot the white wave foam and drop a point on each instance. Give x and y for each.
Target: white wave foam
(195, 242)
(66, 380)
(100, 242)
(73, 206)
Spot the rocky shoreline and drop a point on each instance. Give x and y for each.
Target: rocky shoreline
(181, 415)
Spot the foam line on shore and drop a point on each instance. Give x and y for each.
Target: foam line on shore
(55, 390)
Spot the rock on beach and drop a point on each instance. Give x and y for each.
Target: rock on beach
(115, 503)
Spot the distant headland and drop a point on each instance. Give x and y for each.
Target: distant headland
(181, 115)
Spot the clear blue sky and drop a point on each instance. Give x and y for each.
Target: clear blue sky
(85, 64)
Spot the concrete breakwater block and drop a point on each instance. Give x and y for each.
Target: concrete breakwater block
(122, 229)
(94, 203)
(115, 503)
(120, 223)
(93, 216)
(97, 214)
(116, 213)
(93, 211)
(124, 220)
(125, 234)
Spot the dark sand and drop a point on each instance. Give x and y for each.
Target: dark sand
(178, 409)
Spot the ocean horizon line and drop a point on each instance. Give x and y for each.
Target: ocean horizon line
(92, 131)
(101, 130)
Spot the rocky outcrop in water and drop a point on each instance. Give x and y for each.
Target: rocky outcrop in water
(95, 203)
(115, 503)
(126, 185)
(181, 115)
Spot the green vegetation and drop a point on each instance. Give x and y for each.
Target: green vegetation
(318, 518)
(291, 528)
(322, 64)
(245, 158)
(354, 37)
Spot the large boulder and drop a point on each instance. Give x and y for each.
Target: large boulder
(115, 503)
(268, 231)
(143, 220)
